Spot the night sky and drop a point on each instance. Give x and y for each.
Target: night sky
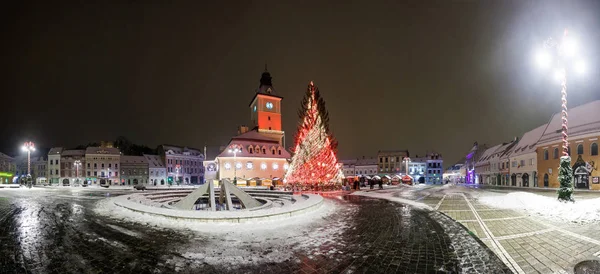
(417, 75)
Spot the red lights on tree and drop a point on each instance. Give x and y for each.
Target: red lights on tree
(314, 161)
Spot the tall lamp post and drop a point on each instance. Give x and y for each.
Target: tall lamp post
(234, 150)
(559, 55)
(28, 147)
(77, 164)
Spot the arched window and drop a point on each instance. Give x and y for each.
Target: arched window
(250, 150)
(555, 153)
(579, 149)
(545, 156)
(594, 149)
(264, 150)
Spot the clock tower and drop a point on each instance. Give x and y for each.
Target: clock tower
(265, 109)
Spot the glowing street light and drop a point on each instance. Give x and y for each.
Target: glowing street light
(558, 55)
(29, 147)
(234, 150)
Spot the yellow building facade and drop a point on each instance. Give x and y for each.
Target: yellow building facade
(584, 133)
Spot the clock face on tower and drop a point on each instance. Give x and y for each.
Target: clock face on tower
(269, 105)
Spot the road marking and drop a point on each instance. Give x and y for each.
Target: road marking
(507, 237)
(440, 203)
(505, 218)
(500, 251)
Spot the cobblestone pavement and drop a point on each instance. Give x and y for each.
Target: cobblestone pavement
(527, 244)
(56, 231)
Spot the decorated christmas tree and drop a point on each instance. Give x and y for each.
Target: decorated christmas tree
(565, 178)
(314, 162)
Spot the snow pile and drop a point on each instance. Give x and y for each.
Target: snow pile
(583, 211)
(108, 208)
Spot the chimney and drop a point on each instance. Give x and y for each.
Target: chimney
(242, 129)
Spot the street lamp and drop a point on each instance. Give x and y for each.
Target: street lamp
(77, 164)
(29, 147)
(234, 150)
(559, 55)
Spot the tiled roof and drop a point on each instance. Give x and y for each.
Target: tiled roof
(583, 119)
(528, 141)
(154, 161)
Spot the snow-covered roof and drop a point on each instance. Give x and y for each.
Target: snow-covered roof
(366, 161)
(154, 161)
(73, 152)
(487, 154)
(2, 155)
(178, 150)
(360, 162)
(505, 149)
(55, 150)
(102, 150)
(583, 119)
(252, 144)
(528, 141)
(127, 159)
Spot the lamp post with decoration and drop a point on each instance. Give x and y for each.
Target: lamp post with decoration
(28, 147)
(234, 150)
(559, 55)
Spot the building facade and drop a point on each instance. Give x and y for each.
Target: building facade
(156, 169)
(53, 166)
(523, 158)
(453, 174)
(417, 169)
(435, 167)
(483, 166)
(102, 165)
(470, 161)
(584, 134)
(134, 170)
(7, 169)
(262, 158)
(184, 165)
(391, 161)
(72, 167)
(39, 169)
(366, 167)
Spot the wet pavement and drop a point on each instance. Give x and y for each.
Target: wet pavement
(57, 231)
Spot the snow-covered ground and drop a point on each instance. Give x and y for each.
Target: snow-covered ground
(584, 211)
(254, 242)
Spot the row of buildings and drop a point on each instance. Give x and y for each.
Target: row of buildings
(393, 165)
(105, 165)
(533, 159)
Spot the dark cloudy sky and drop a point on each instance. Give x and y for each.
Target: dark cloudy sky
(421, 75)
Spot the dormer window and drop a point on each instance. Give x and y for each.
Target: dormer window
(250, 150)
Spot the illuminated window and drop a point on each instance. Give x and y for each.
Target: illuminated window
(263, 166)
(227, 166)
(249, 165)
(275, 166)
